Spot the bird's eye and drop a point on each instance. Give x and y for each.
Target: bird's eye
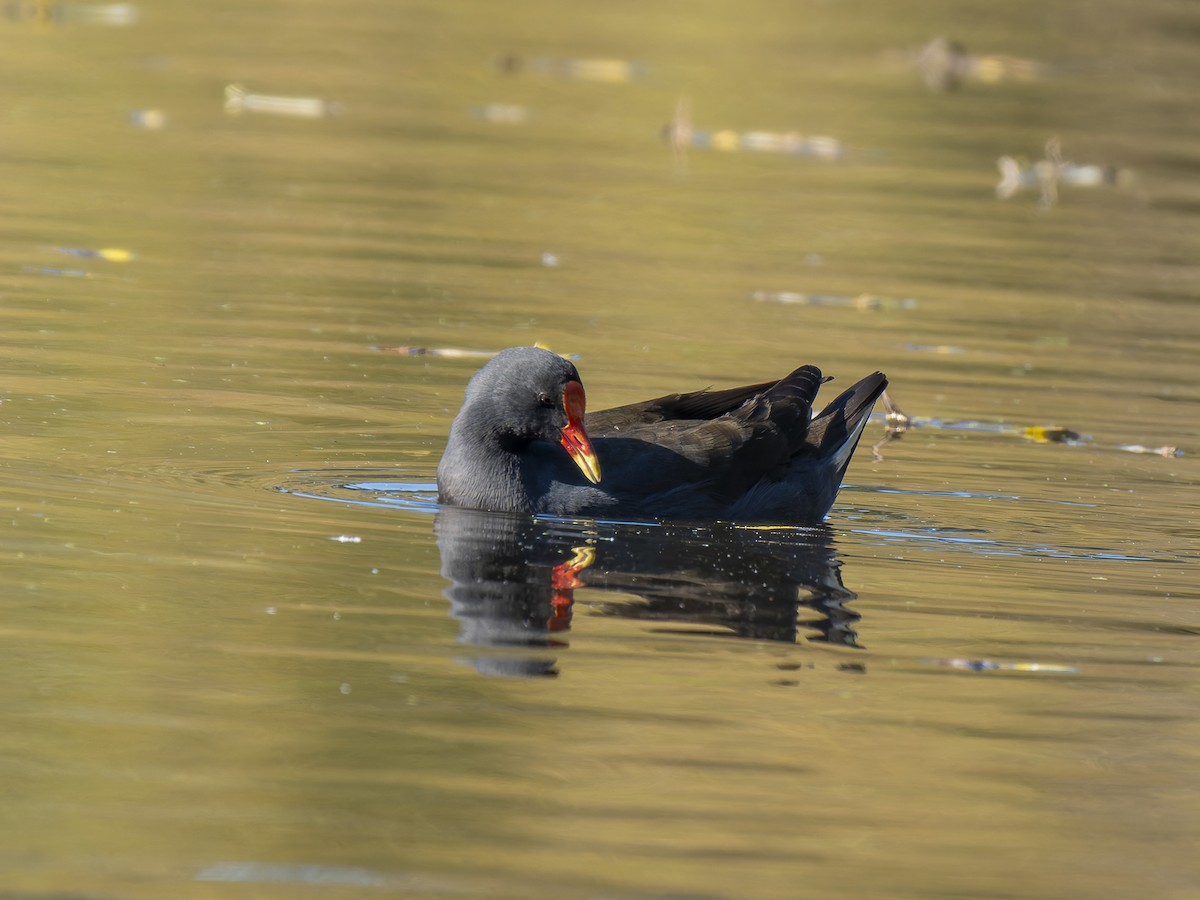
(546, 400)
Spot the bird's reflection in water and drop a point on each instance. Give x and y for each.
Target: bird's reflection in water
(512, 582)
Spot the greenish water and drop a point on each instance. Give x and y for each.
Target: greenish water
(245, 655)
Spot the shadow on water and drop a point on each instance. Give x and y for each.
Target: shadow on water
(513, 581)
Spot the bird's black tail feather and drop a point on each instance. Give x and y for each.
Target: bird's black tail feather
(834, 433)
(799, 388)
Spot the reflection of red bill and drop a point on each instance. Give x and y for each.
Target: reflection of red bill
(564, 581)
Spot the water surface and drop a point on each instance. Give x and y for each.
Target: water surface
(245, 653)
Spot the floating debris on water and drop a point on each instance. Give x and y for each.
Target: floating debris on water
(502, 113)
(455, 352)
(945, 64)
(791, 143)
(112, 14)
(1156, 451)
(678, 132)
(682, 136)
(290, 873)
(149, 119)
(987, 665)
(60, 273)
(238, 101)
(935, 348)
(610, 71)
(894, 416)
(109, 254)
(452, 352)
(861, 301)
(1048, 434)
(897, 422)
(1047, 174)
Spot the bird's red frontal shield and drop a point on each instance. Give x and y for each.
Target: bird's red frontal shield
(574, 438)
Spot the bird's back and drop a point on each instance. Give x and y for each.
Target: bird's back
(743, 453)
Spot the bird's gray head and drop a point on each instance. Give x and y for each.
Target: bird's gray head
(528, 394)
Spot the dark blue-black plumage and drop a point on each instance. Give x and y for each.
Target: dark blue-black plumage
(521, 443)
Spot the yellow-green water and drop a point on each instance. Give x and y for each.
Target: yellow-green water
(208, 695)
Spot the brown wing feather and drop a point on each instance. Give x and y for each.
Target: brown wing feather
(702, 405)
(733, 438)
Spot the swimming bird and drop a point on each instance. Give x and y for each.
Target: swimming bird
(524, 442)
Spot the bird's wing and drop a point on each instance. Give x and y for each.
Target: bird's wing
(721, 442)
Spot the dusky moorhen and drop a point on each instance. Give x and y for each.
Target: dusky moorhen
(523, 443)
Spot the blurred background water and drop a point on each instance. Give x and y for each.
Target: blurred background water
(245, 655)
